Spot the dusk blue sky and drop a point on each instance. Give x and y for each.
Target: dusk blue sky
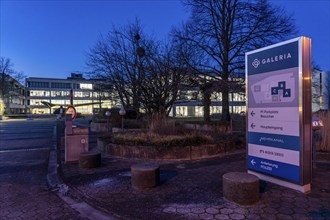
(51, 38)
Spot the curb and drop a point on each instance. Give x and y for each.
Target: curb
(53, 181)
(56, 185)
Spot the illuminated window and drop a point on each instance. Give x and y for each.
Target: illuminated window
(60, 93)
(37, 101)
(39, 93)
(86, 86)
(199, 111)
(181, 111)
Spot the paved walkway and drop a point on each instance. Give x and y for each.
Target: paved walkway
(192, 190)
(24, 152)
(188, 189)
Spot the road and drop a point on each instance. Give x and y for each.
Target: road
(24, 153)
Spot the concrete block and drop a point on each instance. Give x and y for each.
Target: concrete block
(145, 175)
(89, 160)
(241, 188)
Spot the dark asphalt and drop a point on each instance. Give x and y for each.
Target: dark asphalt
(24, 152)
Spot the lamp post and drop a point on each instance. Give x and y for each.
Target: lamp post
(317, 124)
(108, 114)
(122, 112)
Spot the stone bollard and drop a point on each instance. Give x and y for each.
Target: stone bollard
(145, 175)
(89, 160)
(241, 188)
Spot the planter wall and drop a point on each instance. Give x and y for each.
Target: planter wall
(165, 153)
(207, 127)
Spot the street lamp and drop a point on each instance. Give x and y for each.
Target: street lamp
(317, 124)
(108, 114)
(122, 112)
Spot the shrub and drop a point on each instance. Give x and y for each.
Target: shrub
(324, 143)
(134, 124)
(152, 139)
(160, 124)
(115, 118)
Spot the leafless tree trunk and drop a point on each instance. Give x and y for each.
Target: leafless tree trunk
(321, 88)
(327, 89)
(103, 90)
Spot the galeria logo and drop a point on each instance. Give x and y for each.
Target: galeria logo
(272, 59)
(255, 63)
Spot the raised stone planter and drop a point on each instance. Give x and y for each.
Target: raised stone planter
(145, 175)
(165, 153)
(241, 188)
(89, 160)
(207, 127)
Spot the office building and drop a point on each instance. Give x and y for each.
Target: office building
(189, 103)
(58, 92)
(12, 99)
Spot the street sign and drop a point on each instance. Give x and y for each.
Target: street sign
(279, 113)
(71, 110)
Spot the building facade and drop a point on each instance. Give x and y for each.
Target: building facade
(190, 99)
(190, 104)
(58, 92)
(12, 99)
(29, 99)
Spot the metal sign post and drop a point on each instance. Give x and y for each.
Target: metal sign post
(279, 113)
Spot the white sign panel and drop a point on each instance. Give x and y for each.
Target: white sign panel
(274, 121)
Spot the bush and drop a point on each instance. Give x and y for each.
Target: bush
(324, 142)
(134, 124)
(152, 139)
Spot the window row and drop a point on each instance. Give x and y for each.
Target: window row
(60, 85)
(43, 93)
(198, 111)
(216, 96)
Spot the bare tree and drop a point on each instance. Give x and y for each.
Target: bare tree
(320, 87)
(316, 86)
(144, 72)
(5, 69)
(224, 31)
(103, 90)
(164, 73)
(115, 58)
(8, 76)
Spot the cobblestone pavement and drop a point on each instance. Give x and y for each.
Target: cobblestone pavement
(24, 151)
(193, 190)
